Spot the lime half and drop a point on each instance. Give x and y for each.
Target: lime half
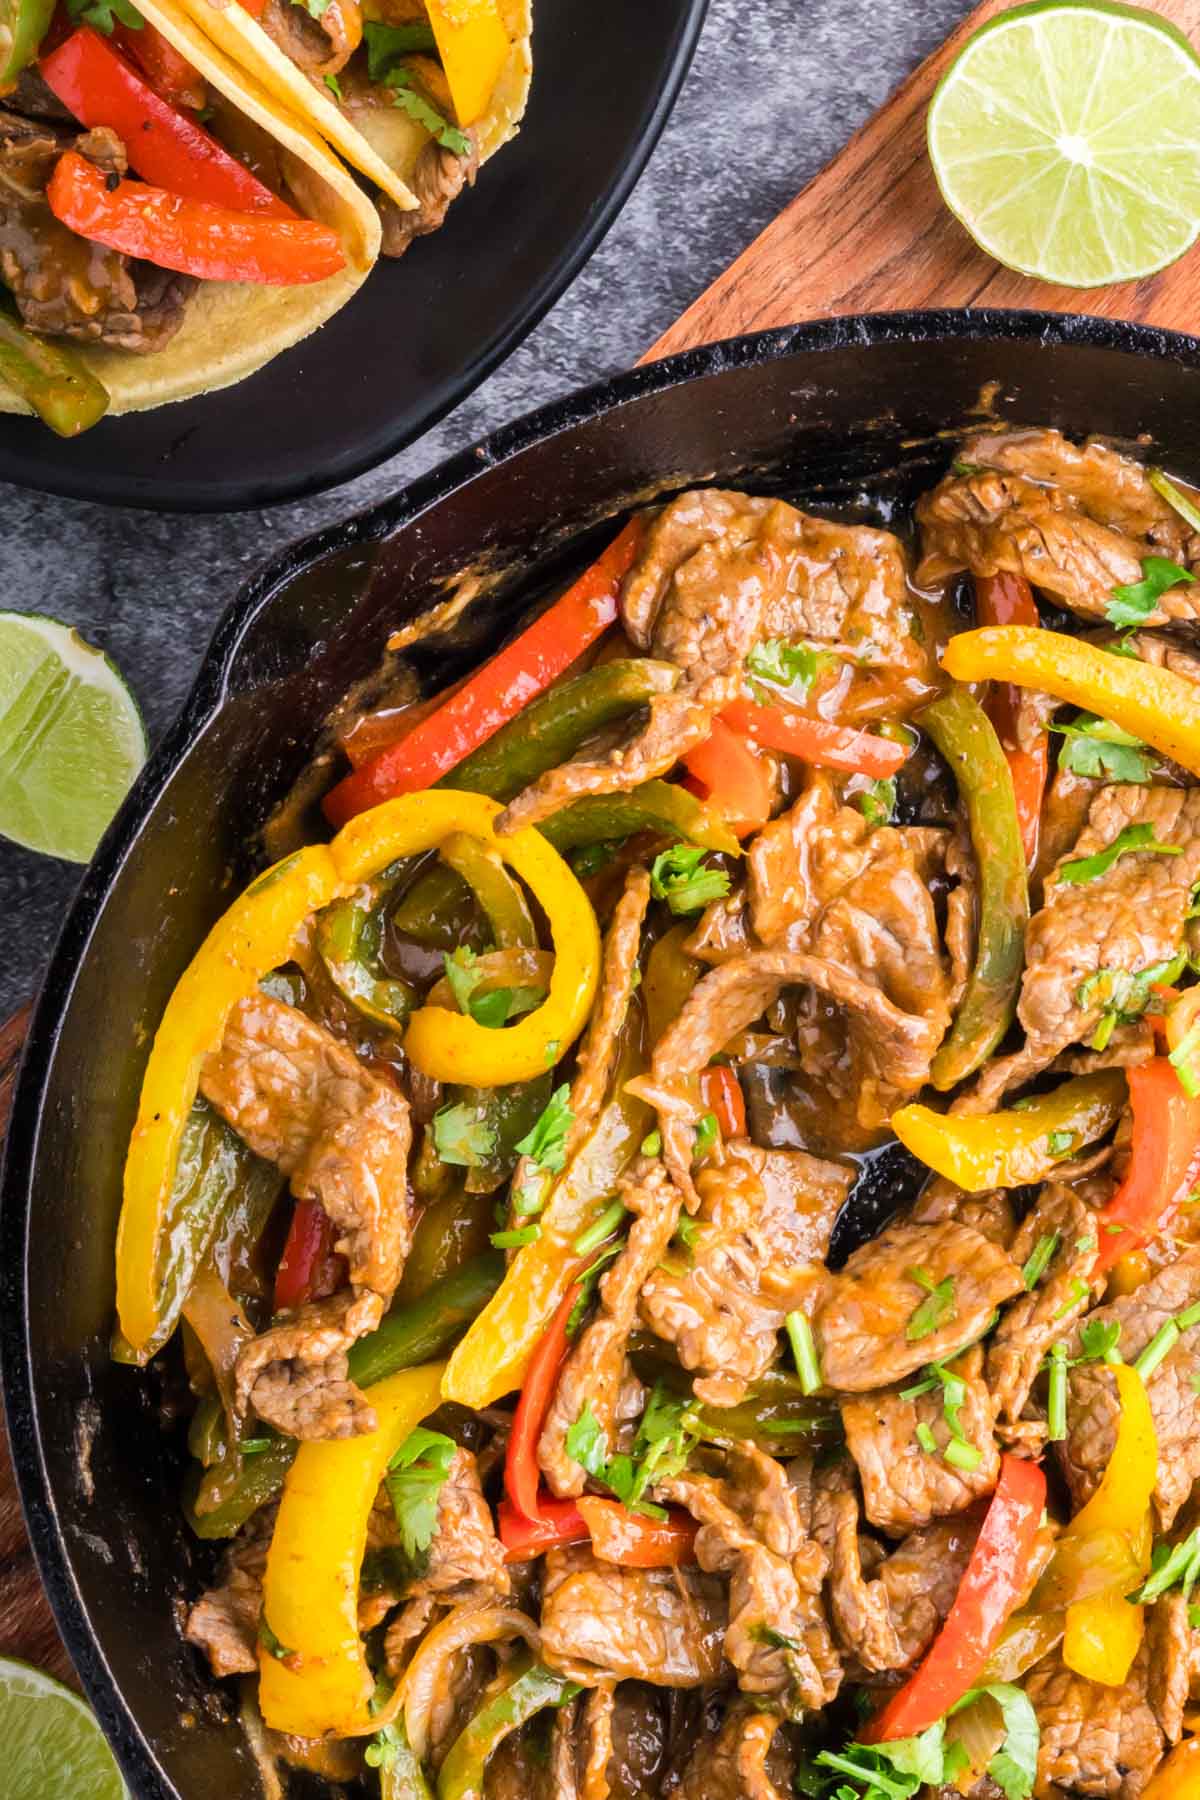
(71, 738)
(1066, 138)
(50, 1741)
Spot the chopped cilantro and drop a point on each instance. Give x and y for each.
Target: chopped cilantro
(1060, 1143)
(707, 1132)
(406, 96)
(461, 1137)
(680, 877)
(652, 1144)
(1100, 750)
(1098, 1340)
(937, 1308)
(1134, 602)
(516, 1239)
(666, 1437)
(386, 44)
(334, 86)
(414, 1481)
(587, 1285)
(792, 667)
(688, 1232)
(316, 9)
(877, 802)
(959, 467)
(1172, 1565)
(1077, 1291)
(270, 1642)
(502, 1004)
(926, 1438)
(546, 1144)
(960, 1451)
(1039, 1260)
(463, 974)
(1132, 838)
(587, 1444)
(104, 15)
(1124, 997)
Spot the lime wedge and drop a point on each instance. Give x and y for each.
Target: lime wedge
(52, 1745)
(1066, 138)
(71, 738)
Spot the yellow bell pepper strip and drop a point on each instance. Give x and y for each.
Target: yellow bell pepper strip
(462, 1774)
(1019, 1144)
(446, 1045)
(315, 1678)
(473, 46)
(254, 936)
(1103, 1632)
(1156, 705)
(493, 1357)
(967, 739)
(1179, 1777)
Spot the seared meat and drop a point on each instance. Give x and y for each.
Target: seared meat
(224, 1621)
(989, 1213)
(749, 1761)
(862, 1325)
(296, 1375)
(64, 285)
(319, 44)
(887, 1606)
(1095, 1739)
(594, 1370)
(767, 1216)
(717, 572)
(601, 1622)
(1038, 1319)
(1110, 488)
(905, 1486)
(341, 1134)
(438, 178)
(1172, 1662)
(751, 1529)
(1093, 1408)
(465, 1552)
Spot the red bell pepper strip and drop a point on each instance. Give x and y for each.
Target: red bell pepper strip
(310, 1268)
(726, 770)
(721, 1094)
(1008, 600)
(816, 741)
(993, 1582)
(635, 1541)
(520, 1463)
(190, 235)
(170, 74)
(1164, 1164)
(558, 1522)
(174, 152)
(498, 691)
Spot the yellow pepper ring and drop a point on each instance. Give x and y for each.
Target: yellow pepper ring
(315, 1678)
(254, 936)
(449, 1046)
(1156, 705)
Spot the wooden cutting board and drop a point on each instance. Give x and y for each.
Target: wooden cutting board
(869, 234)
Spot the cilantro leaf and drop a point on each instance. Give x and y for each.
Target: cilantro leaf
(414, 1481)
(1039, 1260)
(386, 44)
(461, 1137)
(1133, 602)
(877, 802)
(1176, 1565)
(316, 9)
(1060, 1143)
(406, 96)
(335, 88)
(1014, 1767)
(502, 1004)
(1098, 1340)
(104, 15)
(792, 667)
(679, 877)
(546, 1144)
(587, 1443)
(935, 1310)
(707, 1132)
(1100, 750)
(463, 974)
(1132, 838)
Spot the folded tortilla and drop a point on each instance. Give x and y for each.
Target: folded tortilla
(230, 329)
(381, 142)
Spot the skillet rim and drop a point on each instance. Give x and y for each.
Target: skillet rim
(870, 330)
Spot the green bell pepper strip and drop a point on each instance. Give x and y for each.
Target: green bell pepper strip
(497, 894)
(462, 1774)
(967, 739)
(775, 1414)
(221, 1191)
(408, 1336)
(349, 941)
(23, 25)
(401, 1776)
(670, 976)
(453, 1229)
(551, 730)
(52, 380)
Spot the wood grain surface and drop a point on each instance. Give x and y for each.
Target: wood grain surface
(869, 234)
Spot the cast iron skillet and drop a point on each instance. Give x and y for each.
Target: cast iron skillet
(852, 412)
(425, 330)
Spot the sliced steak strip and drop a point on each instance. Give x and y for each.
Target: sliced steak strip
(1093, 1408)
(1038, 1319)
(224, 1621)
(868, 1307)
(596, 1366)
(604, 1623)
(905, 1486)
(1095, 1740)
(766, 1220)
(749, 1761)
(751, 1529)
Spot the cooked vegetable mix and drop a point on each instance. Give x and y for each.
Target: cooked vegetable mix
(490, 1157)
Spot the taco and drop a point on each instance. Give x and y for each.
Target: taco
(414, 94)
(166, 225)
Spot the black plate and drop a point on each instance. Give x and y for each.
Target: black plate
(844, 412)
(425, 331)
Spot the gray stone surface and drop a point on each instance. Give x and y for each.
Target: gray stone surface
(776, 88)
